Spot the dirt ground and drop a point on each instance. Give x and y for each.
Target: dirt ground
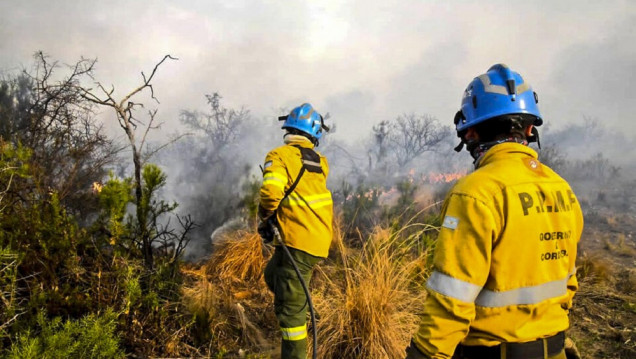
(604, 313)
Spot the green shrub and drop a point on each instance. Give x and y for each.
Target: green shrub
(92, 337)
(8, 277)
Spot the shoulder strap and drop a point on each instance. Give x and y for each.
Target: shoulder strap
(310, 159)
(293, 186)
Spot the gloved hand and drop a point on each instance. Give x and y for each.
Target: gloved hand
(266, 231)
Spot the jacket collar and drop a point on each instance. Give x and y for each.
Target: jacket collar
(506, 149)
(297, 140)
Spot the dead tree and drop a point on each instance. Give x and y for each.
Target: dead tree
(125, 111)
(409, 136)
(221, 126)
(42, 110)
(379, 149)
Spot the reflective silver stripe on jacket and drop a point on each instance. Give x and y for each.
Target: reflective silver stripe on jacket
(525, 295)
(453, 287)
(471, 293)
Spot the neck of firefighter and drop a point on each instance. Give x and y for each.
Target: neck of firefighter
(478, 149)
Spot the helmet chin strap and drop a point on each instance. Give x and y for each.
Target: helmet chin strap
(535, 137)
(460, 147)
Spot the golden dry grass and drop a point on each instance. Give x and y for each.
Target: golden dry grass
(238, 257)
(368, 305)
(231, 296)
(367, 299)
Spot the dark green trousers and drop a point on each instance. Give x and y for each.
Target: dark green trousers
(290, 303)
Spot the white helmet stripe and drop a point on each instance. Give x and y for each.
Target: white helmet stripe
(308, 115)
(500, 89)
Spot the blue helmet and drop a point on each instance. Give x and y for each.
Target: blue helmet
(305, 119)
(500, 91)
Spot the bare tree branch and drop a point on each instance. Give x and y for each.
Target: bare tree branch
(129, 123)
(411, 135)
(146, 82)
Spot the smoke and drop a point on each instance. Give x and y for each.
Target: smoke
(215, 176)
(212, 170)
(593, 79)
(597, 161)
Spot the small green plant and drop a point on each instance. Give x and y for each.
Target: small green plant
(630, 307)
(114, 198)
(13, 165)
(92, 337)
(250, 199)
(220, 354)
(360, 208)
(9, 262)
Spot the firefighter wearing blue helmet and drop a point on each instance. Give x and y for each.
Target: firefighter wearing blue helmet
(294, 198)
(305, 121)
(504, 266)
(501, 103)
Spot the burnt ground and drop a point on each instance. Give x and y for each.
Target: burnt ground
(603, 318)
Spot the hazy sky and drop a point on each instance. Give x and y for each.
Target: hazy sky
(362, 61)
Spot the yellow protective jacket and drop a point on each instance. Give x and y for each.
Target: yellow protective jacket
(504, 265)
(305, 217)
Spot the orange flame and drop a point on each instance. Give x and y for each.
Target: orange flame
(97, 187)
(436, 177)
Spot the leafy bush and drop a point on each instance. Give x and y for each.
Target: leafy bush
(361, 208)
(8, 286)
(92, 337)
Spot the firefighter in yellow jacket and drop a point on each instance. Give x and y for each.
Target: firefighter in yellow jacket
(294, 197)
(504, 266)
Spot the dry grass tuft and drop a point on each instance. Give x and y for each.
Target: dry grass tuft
(623, 246)
(367, 298)
(230, 300)
(593, 269)
(368, 304)
(238, 257)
